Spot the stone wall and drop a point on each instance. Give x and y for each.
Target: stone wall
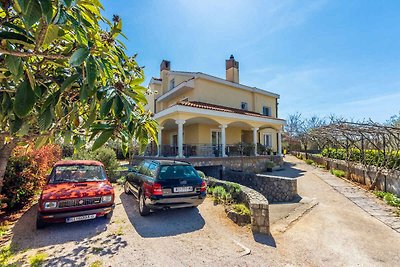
(246, 163)
(274, 188)
(387, 181)
(257, 203)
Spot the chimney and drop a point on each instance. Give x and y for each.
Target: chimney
(165, 65)
(232, 70)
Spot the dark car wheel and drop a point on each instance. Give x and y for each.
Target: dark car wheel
(126, 189)
(108, 215)
(143, 209)
(40, 224)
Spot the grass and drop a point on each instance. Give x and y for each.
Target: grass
(96, 264)
(338, 173)
(120, 231)
(389, 198)
(37, 260)
(241, 209)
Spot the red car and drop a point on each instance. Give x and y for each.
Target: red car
(76, 190)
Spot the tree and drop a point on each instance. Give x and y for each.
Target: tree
(62, 76)
(394, 121)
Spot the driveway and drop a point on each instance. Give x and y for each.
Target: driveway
(336, 232)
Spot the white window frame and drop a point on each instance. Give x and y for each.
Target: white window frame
(219, 134)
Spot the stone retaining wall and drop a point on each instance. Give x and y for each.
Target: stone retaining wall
(274, 188)
(257, 203)
(245, 163)
(387, 181)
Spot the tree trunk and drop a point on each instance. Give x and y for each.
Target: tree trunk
(5, 153)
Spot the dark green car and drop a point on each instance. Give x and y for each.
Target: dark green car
(165, 184)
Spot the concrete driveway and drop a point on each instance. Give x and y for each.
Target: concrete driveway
(336, 232)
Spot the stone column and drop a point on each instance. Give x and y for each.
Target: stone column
(159, 137)
(180, 137)
(255, 140)
(279, 143)
(223, 139)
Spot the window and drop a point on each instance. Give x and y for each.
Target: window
(243, 105)
(171, 84)
(268, 140)
(143, 168)
(266, 111)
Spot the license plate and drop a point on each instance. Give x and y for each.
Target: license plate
(80, 218)
(183, 189)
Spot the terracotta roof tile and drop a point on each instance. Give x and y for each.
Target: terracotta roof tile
(196, 104)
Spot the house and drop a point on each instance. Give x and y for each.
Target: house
(200, 115)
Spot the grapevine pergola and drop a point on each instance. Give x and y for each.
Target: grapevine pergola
(375, 146)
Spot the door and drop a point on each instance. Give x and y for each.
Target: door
(216, 142)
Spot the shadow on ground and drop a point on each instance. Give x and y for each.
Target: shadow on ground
(289, 171)
(267, 240)
(84, 234)
(162, 223)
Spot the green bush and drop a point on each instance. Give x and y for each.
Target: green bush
(309, 161)
(389, 198)
(338, 173)
(201, 174)
(269, 164)
(105, 155)
(241, 209)
(121, 181)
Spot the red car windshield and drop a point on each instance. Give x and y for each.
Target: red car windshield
(77, 173)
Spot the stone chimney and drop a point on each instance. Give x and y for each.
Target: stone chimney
(165, 65)
(232, 70)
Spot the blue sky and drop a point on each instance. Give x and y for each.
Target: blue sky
(322, 56)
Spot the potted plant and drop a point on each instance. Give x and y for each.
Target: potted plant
(269, 165)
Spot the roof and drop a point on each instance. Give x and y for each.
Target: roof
(196, 104)
(224, 81)
(79, 162)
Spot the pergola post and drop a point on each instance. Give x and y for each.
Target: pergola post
(223, 139)
(180, 137)
(159, 137)
(255, 141)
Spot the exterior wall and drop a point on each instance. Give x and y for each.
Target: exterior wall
(388, 182)
(190, 95)
(154, 93)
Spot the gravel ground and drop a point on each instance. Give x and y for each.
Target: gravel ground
(336, 232)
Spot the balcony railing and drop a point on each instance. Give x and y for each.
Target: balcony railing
(208, 150)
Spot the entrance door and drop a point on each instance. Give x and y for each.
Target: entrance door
(174, 145)
(216, 142)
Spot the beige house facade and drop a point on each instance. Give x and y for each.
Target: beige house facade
(200, 115)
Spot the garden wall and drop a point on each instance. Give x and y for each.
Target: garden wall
(387, 181)
(274, 188)
(245, 163)
(257, 203)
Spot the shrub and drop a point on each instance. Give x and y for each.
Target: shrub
(121, 181)
(389, 198)
(201, 174)
(269, 164)
(105, 155)
(309, 161)
(338, 173)
(219, 193)
(37, 259)
(26, 173)
(241, 209)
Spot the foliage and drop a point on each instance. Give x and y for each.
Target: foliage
(309, 161)
(241, 209)
(6, 253)
(389, 198)
(224, 194)
(37, 259)
(372, 157)
(338, 173)
(269, 164)
(63, 76)
(105, 155)
(219, 193)
(26, 173)
(121, 181)
(201, 174)
(67, 150)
